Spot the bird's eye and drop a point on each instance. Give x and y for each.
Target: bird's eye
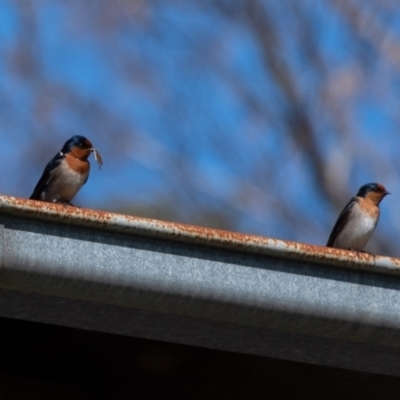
(376, 189)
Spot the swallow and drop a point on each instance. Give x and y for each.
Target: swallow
(66, 173)
(359, 218)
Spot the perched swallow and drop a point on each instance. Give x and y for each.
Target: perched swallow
(66, 173)
(358, 220)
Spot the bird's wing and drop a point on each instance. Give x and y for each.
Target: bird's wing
(341, 221)
(47, 176)
(87, 176)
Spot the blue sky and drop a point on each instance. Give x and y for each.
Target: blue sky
(166, 94)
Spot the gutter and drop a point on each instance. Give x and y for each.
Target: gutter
(195, 286)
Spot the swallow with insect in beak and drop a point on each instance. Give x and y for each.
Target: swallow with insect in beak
(66, 173)
(358, 220)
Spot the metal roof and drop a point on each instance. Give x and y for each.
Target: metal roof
(185, 284)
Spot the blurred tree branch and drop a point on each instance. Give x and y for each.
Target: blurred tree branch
(251, 114)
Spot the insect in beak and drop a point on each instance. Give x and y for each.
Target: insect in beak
(97, 157)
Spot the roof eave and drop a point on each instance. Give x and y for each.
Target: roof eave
(185, 284)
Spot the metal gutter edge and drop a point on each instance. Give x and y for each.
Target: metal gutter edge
(2, 246)
(231, 241)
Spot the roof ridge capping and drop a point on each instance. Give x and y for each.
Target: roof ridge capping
(232, 241)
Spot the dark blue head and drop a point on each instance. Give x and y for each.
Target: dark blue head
(77, 141)
(377, 189)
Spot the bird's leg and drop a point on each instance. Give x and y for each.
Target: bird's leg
(72, 205)
(362, 251)
(67, 203)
